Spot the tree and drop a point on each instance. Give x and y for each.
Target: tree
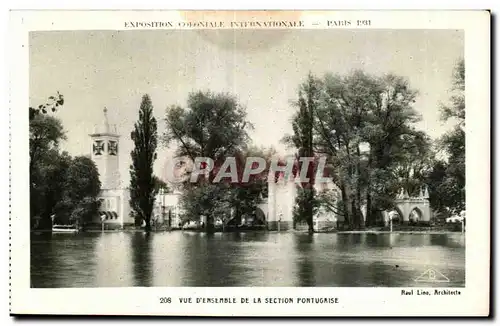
(160, 184)
(328, 199)
(447, 178)
(212, 126)
(52, 104)
(81, 186)
(46, 166)
(360, 109)
(399, 153)
(245, 195)
(306, 206)
(302, 139)
(229, 200)
(142, 181)
(207, 200)
(48, 181)
(62, 187)
(456, 108)
(45, 134)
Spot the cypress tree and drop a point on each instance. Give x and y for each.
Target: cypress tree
(142, 181)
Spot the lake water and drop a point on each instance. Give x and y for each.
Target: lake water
(246, 259)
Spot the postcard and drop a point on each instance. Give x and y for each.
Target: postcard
(250, 163)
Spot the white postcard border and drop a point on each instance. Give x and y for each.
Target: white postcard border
(474, 299)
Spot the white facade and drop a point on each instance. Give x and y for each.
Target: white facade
(281, 201)
(115, 206)
(167, 205)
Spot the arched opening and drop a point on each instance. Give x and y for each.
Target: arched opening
(416, 216)
(396, 215)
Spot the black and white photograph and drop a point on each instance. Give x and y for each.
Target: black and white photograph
(250, 154)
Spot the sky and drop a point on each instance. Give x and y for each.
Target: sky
(263, 68)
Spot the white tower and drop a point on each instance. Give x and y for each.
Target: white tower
(104, 151)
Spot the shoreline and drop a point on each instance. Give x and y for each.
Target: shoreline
(245, 231)
(397, 232)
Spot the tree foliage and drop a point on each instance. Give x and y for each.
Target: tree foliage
(456, 107)
(212, 126)
(306, 206)
(227, 200)
(61, 187)
(143, 185)
(359, 110)
(447, 177)
(53, 103)
(46, 133)
(363, 124)
(160, 184)
(81, 186)
(302, 140)
(47, 185)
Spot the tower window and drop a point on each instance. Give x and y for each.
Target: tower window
(113, 147)
(98, 147)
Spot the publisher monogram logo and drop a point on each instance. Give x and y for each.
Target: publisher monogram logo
(432, 276)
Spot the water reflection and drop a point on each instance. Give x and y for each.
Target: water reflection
(61, 261)
(112, 265)
(243, 259)
(42, 246)
(142, 264)
(305, 265)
